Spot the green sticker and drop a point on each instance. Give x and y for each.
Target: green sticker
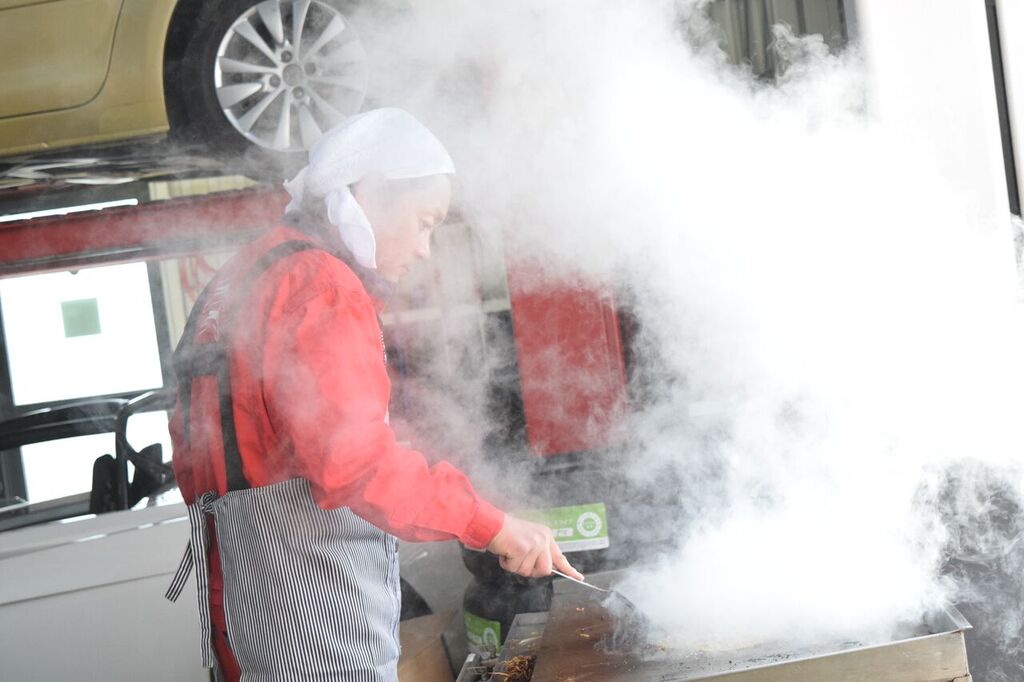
(81, 317)
(482, 635)
(577, 528)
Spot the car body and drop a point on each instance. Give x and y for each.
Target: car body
(228, 75)
(84, 598)
(81, 71)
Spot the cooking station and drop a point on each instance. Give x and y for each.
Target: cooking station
(569, 644)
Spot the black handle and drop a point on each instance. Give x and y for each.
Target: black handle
(161, 399)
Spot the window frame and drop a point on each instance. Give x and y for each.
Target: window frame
(12, 473)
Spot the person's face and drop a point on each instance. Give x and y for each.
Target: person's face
(404, 215)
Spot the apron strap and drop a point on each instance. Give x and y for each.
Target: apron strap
(196, 554)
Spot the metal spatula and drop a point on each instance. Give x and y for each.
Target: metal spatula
(614, 597)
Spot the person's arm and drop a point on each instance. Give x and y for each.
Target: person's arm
(326, 391)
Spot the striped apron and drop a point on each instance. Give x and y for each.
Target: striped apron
(309, 593)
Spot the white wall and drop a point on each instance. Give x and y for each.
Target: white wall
(930, 62)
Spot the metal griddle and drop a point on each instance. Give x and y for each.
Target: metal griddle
(932, 651)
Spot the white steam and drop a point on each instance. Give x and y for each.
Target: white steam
(831, 306)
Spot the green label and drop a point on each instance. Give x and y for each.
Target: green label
(482, 635)
(578, 528)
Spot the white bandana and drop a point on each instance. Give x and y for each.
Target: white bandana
(390, 143)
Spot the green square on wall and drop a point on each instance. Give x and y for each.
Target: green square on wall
(81, 317)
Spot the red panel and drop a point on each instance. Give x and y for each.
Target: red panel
(164, 228)
(571, 365)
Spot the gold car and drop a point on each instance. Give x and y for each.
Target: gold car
(230, 74)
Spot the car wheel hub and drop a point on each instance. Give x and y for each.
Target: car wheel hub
(287, 70)
(293, 74)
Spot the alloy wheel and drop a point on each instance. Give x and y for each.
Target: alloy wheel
(287, 70)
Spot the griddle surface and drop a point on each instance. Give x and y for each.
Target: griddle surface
(572, 650)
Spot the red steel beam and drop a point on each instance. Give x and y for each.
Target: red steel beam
(161, 228)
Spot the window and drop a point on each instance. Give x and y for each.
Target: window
(70, 336)
(78, 334)
(747, 28)
(59, 468)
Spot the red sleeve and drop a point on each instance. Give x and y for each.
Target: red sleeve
(326, 389)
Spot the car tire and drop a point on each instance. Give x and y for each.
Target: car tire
(241, 90)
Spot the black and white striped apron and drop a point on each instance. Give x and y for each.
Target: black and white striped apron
(309, 593)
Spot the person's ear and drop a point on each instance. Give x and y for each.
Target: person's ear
(367, 192)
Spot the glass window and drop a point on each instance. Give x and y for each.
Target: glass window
(59, 468)
(747, 29)
(77, 334)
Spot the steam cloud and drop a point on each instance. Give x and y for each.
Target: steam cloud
(828, 317)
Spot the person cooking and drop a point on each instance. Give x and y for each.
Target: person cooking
(297, 488)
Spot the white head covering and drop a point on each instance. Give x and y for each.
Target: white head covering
(387, 142)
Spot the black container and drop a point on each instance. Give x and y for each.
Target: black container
(572, 480)
(644, 517)
(485, 567)
(500, 603)
(564, 481)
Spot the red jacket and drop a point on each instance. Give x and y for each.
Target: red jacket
(310, 391)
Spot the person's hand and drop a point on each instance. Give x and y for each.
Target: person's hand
(529, 549)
